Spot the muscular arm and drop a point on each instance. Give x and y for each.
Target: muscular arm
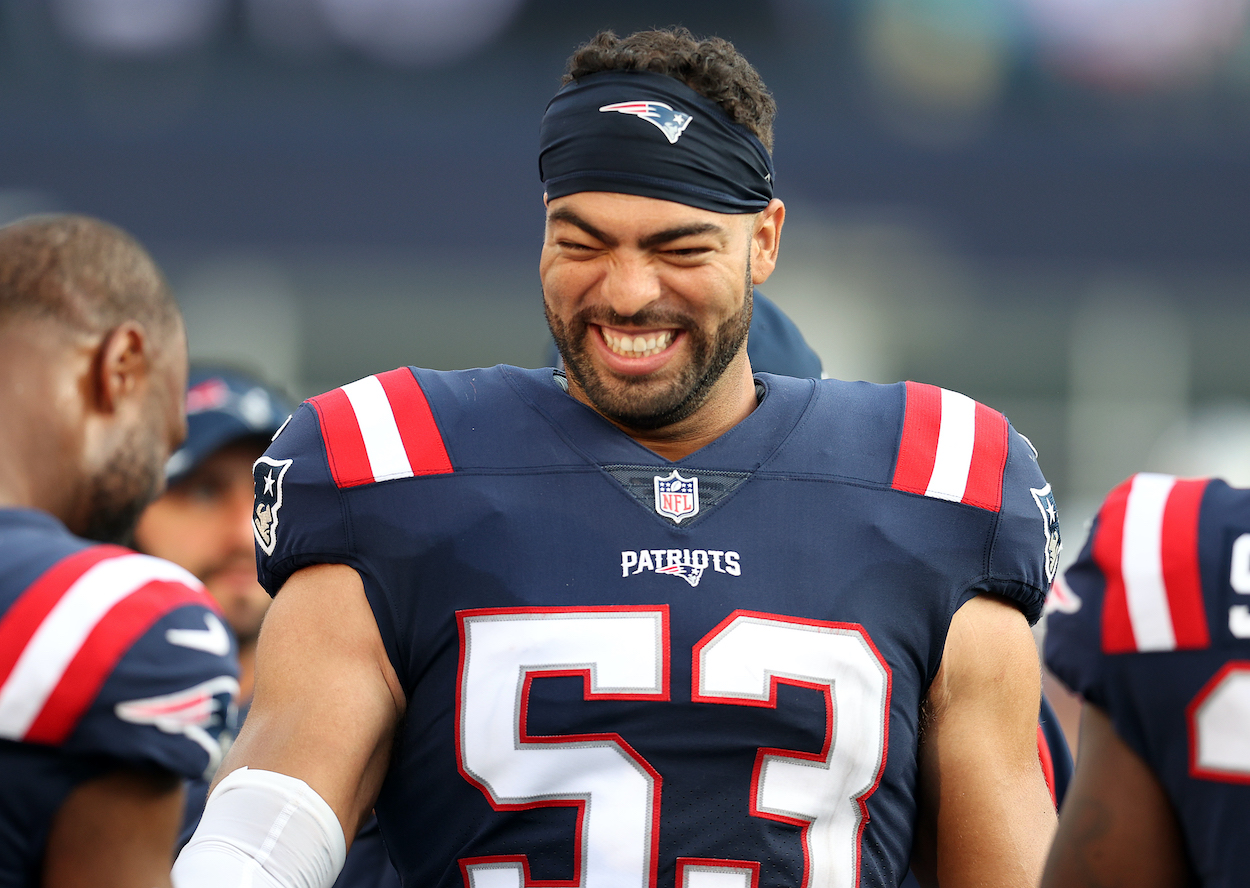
(116, 831)
(1118, 827)
(327, 699)
(986, 817)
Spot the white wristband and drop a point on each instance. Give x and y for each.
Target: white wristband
(262, 829)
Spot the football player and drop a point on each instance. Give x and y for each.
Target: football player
(658, 620)
(1151, 627)
(116, 672)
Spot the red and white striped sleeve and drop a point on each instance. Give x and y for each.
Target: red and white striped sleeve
(1146, 545)
(64, 636)
(380, 428)
(952, 448)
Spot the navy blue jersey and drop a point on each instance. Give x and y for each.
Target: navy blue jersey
(1152, 625)
(622, 670)
(107, 658)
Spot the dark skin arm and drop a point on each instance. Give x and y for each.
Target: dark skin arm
(1117, 827)
(115, 831)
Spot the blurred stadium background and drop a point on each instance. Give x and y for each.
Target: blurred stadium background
(1041, 203)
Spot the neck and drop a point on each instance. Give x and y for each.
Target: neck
(731, 400)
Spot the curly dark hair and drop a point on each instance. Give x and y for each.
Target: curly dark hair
(711, 67)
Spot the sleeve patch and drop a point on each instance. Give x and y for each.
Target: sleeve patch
(952, 448)
(380, 428)
(1146, 545)
(64, 637)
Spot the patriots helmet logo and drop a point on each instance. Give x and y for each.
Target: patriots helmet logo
(661, 116)
(1045, 501)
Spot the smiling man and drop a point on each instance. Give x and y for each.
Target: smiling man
(660, 621)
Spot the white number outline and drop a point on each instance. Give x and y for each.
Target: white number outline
(467, 864)
(763, 754)
(1201, 705)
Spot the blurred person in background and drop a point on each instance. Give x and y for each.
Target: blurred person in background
(1151, 626)
(599, 627)
(116, 674)
(203, 522)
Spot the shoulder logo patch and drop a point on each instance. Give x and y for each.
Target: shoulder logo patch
(677, 497)
(268, 474)
(1045, 500)
(658, 114)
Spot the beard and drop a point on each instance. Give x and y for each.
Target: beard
(640, 402)
(119, 495)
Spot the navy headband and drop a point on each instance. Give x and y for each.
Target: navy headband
(635, 132)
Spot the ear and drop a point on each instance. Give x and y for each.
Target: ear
(123, 364)
(766, 240)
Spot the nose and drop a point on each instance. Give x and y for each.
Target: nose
(630, 284)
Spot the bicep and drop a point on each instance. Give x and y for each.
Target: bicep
(986, 815)
(115, 831)
(327, 699)
(1117, 825)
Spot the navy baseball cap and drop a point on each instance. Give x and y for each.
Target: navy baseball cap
(224, 406)
(774, 344)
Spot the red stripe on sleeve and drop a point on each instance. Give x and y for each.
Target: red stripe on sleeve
(1108, 553)
(917, 449)
(32, 607)
(1048, 764)
(417, 429)
(989, 460)
(100, 653)
(345, 445)
(1182, 577)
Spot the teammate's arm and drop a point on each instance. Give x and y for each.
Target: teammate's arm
(986, 816)
(115, 831)
(1117, 827)
(325, 711)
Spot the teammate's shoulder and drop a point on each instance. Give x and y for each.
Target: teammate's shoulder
(78, 633)
(1161, 567)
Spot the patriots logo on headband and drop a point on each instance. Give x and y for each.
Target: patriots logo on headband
(663, 117)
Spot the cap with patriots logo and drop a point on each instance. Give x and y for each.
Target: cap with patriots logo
(224, 406)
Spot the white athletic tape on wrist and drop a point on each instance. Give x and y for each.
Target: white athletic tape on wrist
(262, 829)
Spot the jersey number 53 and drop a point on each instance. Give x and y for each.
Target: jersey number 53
(623, 653)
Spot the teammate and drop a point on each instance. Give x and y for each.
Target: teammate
(658, 621)
(203, 522)
(1152, 628)
(116, 674)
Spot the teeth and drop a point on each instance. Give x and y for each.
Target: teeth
(638, 346)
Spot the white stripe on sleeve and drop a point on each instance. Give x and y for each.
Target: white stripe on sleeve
(385, 447)
(956, 436)
(1142, 562)
(59, 637)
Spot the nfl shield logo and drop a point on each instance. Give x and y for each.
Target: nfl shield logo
(677, 497)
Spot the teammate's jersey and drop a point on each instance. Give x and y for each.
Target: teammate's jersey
(1152, 625)
(626, 671)
(107, 658)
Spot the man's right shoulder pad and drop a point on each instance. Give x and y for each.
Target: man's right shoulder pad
(297, 518)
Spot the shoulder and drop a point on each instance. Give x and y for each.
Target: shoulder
(1161, 564)
(402, 424)
(99, 626)
(963, 460)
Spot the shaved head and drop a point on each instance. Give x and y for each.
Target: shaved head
(83, 274)
(93, 368)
